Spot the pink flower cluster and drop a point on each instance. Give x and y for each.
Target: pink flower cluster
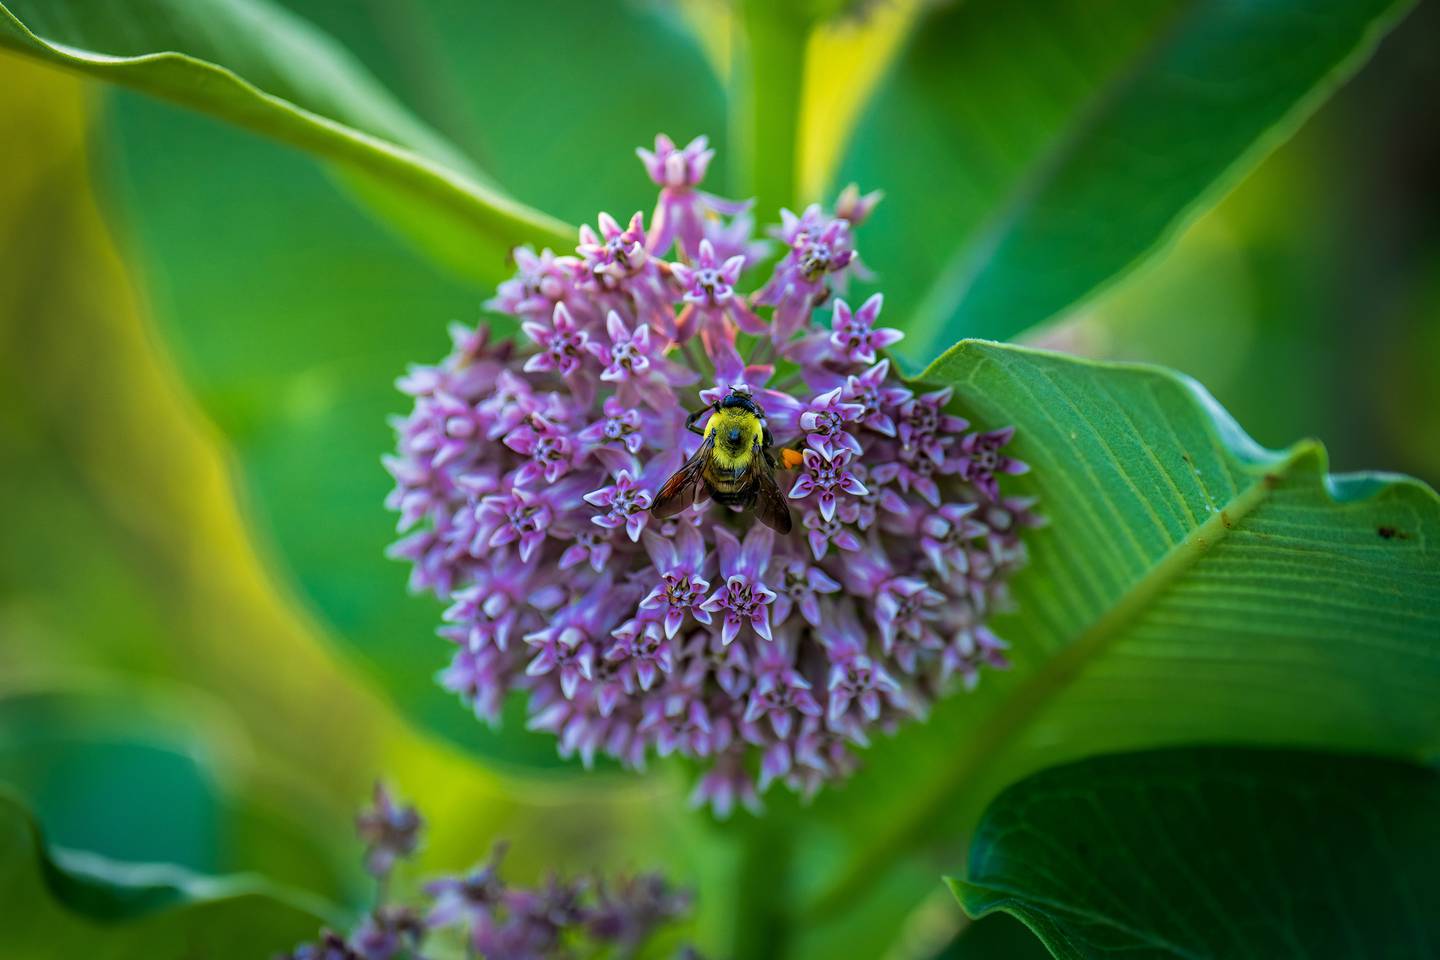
(526, 471)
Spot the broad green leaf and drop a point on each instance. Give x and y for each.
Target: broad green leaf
(1216, 853)
(177, 781)
(553, 98)
(1191, 587)
(1032, 151)
(633, 68)
(996, 937)
(257, 65)
(291, 342)
(67, 903)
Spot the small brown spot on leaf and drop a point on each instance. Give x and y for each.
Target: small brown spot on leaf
(1391, 533)
(1225, 519)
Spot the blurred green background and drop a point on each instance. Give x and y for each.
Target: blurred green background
(171, 685)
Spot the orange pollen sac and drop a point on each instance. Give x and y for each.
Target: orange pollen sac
(791, 459)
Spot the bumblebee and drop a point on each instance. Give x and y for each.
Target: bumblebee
(733, 465)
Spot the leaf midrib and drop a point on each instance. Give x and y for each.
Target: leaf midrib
(968, 259)
(1028, 898)
(1038, 690)
(402, 166)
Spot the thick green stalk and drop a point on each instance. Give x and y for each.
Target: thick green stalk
(762, 898)
(768, 83)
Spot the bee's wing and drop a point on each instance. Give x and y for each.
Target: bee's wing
(771, 506)
(680, 490)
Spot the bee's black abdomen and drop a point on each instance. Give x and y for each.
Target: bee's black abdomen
(742, 497)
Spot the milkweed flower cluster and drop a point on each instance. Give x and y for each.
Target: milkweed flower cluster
(559, 919)
(526, 471)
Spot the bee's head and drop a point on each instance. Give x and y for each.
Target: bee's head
(742, 401)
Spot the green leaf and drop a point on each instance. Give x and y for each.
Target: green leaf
(64, 903)
(1031, 152)
(178, 782)
(1191, 587)
(1216, 853)
(553, 97)
(996, 937)
(260, 67)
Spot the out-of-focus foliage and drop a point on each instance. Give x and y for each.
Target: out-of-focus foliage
(1034, 150)
(256, 65)
(64, 903)
(152, 648)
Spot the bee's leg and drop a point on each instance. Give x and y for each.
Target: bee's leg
(690, 420)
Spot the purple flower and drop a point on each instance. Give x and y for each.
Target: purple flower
(680, 212)
(620, 427)
(518, 516)
(743, 598)
(389, 933)
(563, 344)
(481, 678)
(550, 450)
(826, 478)
(642, 648)
(854, 333)
(818, 246)
(854, 207)
(524, 477)
(332, 946)
(588, 545)
(780, 694)
(913, 472)
(877, 395)
(391, 832)
(625, 503)
(617, 253)
(558, 918)
(945, 536)
(980, 460)
(801, 590)
(674, 168)
(543, 282)
(628, 356)
(905, 610)
(824, 421)
(710, 285)
(926, 427)
(724, 786)
(680, 561)
(823, 531)
(856, 680)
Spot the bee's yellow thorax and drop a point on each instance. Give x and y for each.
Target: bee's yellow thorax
(735, 434)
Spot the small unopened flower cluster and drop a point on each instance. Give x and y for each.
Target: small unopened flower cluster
(568, 919)
(526, 471)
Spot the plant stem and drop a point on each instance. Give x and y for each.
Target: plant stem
(762, 900)
(769, 79)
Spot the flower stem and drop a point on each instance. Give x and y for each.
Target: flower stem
(762, 900)
(769, 76)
